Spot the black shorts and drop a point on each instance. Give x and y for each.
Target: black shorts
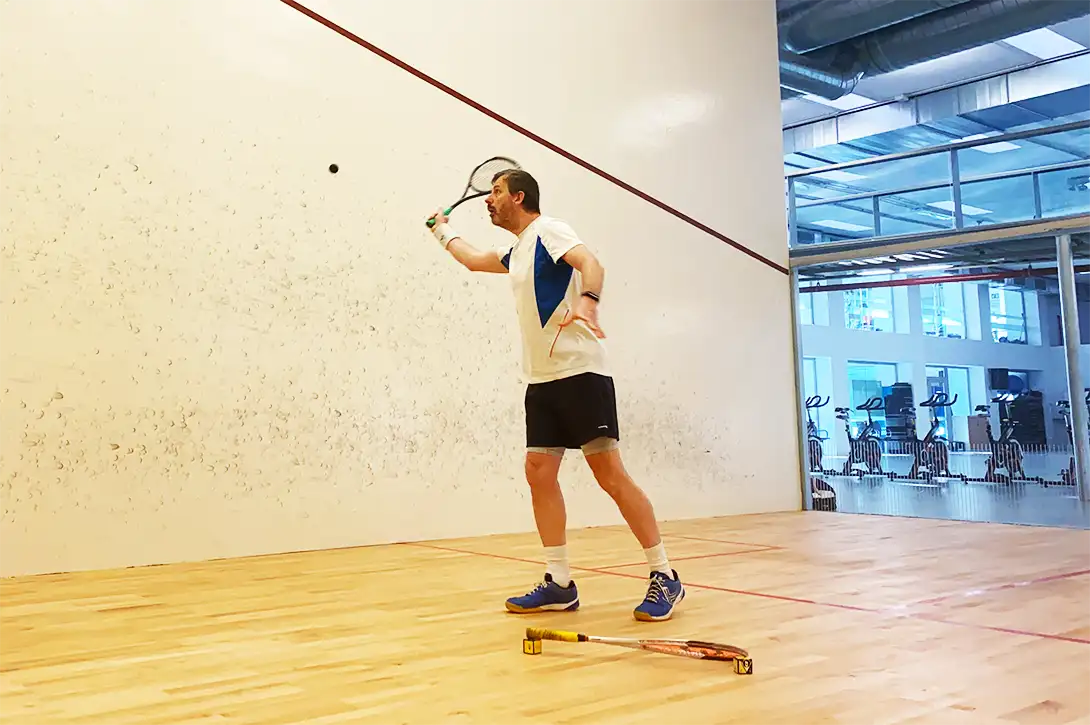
(571, 412)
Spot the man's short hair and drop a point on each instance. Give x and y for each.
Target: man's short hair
(519, 180)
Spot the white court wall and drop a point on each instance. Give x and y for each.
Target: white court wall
(214, 347)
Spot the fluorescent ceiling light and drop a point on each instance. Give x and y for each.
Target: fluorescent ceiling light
(846, 226)
(1044, 43)
(844, 103)
(965, 208)
(926, 267)
(990, 148)
(838, 176)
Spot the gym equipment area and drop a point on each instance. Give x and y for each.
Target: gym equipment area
(1006, 452)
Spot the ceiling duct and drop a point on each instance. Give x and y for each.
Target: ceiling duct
(834, 70)
(801, 77)
(805, 27)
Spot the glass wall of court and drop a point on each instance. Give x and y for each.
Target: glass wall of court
(926, 393)
(979, 366)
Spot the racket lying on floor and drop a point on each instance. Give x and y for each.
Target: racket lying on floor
(480, 181)
(679, 647)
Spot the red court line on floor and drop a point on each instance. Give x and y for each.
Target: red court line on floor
(1003, 630)
(1004, 587)
(642, 577)
(691, 558)
(721, 541)
(529, 134)
(885, 611)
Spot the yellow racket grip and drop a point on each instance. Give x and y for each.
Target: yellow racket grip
(558, 635)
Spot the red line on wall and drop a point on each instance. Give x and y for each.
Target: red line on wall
(529, 134)
(939, 279)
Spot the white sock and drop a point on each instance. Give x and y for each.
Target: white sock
(556, 563)
(656, 559)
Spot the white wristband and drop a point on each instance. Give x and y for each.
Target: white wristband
(444, 234)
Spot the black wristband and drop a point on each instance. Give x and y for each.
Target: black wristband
(592, 296)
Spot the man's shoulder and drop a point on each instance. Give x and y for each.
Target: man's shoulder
(556, 234)
(554, 224)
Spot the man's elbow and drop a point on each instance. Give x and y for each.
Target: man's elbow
(591, 267)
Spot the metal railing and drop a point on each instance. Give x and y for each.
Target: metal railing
(955, 181)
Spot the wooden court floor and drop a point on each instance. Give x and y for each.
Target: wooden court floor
(849, 619)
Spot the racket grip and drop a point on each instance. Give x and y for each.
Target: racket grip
(558, 635)
(448, 210)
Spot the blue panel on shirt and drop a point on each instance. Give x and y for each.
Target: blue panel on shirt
(550, 282)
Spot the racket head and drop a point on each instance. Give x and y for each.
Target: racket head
(693, 648)
(715, 650)
(480, 181)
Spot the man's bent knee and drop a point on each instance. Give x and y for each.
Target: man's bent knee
(542, 465)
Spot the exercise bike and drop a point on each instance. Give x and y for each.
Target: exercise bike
(814, 440)
(1067, 476)
(931, 455)
(1006, 452)
(866, 448)
(822, 494)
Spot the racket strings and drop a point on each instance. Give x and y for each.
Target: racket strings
(481, 180)
(717, 651)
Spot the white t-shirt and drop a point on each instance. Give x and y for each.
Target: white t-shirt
(545, 288)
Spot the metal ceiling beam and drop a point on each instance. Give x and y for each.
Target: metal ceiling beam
(802, 257)
(945, 147)
(1035, 80)
(939, 279)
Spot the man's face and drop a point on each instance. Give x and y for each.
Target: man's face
(501, 205)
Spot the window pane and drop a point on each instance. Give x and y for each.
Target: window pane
(997, 201)
(916, 212)
(1065, 192)
(1025, 153)
(1008, 315)
(866, 381)
(869, 309)
(806, 309)
(943, 307)
(883, 176)
(958, 381)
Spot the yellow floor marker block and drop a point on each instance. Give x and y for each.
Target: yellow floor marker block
(531, 646)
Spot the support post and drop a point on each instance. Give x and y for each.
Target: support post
(800, 395)
(1069, 311)
(792, 216)
(955, 189)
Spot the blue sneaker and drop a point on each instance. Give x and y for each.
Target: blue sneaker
(548, 596)
(663, 594)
